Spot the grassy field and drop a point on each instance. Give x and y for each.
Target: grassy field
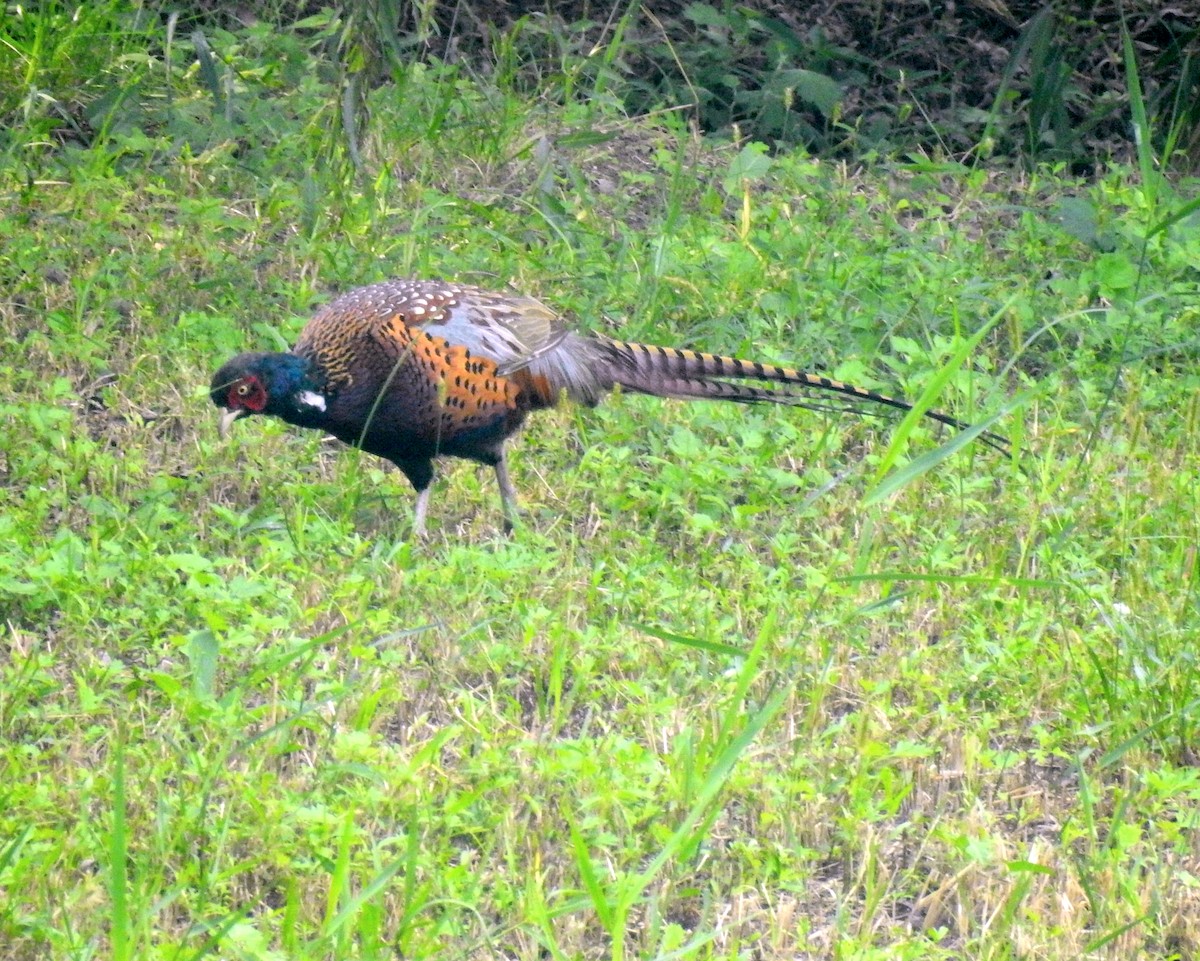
(746, 683)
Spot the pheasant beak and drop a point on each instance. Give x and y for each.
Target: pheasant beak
(228, 416)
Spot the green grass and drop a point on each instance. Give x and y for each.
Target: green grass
(745, 683)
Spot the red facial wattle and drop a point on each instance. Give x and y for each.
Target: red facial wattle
(247, 393)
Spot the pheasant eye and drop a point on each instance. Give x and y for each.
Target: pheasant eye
(243, 389)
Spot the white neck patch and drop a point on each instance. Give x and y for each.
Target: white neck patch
(309, 399)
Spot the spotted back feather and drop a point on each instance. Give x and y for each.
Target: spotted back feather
(522, 338)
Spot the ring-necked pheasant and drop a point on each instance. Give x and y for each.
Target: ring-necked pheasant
(416, 369)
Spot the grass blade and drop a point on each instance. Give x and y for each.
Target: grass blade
(930, 394)
(590, 878)
(118, 854)
(712, 647)
(915, 468)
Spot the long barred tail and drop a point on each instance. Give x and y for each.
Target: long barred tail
(671, 372)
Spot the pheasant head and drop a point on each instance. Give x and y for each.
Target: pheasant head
(282, 385)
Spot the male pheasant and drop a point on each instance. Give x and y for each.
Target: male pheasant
(417, 369)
